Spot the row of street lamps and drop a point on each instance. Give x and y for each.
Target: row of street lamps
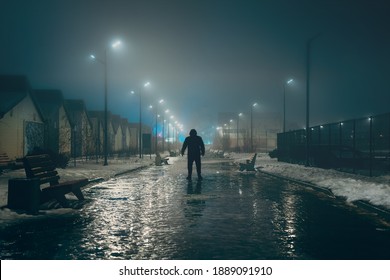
(288, 82)
(103, 61)
(118, 43)
(156, 107)
(147, 84)
(255, 104)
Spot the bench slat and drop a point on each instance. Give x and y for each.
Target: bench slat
(42, 167)
(42, 171)
(50, 180)
(47, 165)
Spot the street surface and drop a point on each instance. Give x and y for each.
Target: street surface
(155, 213)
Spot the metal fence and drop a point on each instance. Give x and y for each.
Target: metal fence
(359, 146)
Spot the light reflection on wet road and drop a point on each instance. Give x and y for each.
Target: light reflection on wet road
(156, 214)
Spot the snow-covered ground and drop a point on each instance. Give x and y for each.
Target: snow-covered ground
(90, 170)
(375, 190)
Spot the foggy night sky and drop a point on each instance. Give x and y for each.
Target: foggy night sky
(205, 57)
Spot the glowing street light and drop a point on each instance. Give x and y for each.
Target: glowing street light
(104, 62)
(238, 119)
(253, 106)
(147, 84)
(157, 115)
(284, 103)
(163, 129)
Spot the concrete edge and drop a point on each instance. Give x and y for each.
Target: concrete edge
(380, 211)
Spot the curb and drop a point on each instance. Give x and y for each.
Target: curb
(132, 170)
(380, 211)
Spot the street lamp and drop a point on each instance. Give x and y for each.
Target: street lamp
(169, 124)
(169, 144)
(140, 119)
(175, 134)
(159, 102)
(163, 129)
(104, 62)
(157, 116)
(253, 105)
(238, 119)
(284, 104)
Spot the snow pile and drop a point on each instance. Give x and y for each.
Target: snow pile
(375, 190)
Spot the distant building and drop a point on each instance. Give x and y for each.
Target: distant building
(97, 120)
(117, 145)
(82, 142)
(21, 122)
(236, 133)
(134, 139)
(126, 135)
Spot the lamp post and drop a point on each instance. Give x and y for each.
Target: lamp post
(230, 127)
(157, 116)
(169, 145)
(284, 104)
(238, 119)
(170, 124)
(174, 132)
(104, 62)
(159, 102)
(140, 119)
(163, 134)
(253, 105)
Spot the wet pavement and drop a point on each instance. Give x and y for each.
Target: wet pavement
(156, 213)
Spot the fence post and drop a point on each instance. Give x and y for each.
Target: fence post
(388, 136)
(354, 145)
(370, 146)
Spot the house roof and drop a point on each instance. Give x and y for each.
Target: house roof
(49, 101)
(125, 124)
(100, 116)
(13, 89)
(76, 106)
(96, 115)
(116, 122)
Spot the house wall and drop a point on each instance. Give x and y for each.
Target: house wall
(110, 138)
(134, 139)
(127, 139)
(97, 136)
(82, 141)
(87, 143)
(118, 140)
(12, 128)
(65, 133)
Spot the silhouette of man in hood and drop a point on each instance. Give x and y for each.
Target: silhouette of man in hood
(196, 148)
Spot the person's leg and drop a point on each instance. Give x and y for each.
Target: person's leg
(198, 167)
(189, 167)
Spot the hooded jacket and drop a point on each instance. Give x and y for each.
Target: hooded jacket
(195, 145)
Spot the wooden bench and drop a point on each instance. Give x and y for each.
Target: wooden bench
(165, 160)
(43, 168)
(159, 160)
(249, 165)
